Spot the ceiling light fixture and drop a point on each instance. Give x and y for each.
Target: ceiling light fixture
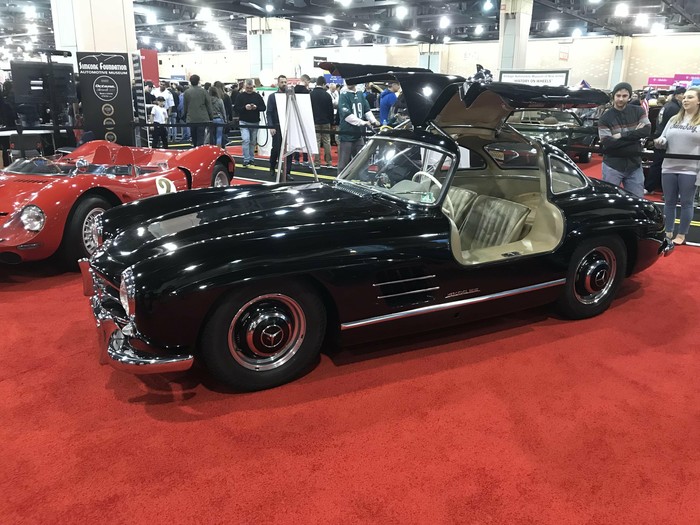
(553, 25)
(344, 3)
(205, 14)
(182, 37)
(316, 29)
(159, 46)
(414, 34)
(401, 12)
(641, 20)
(478, 29)
(657, 28)
(622, 10)
(269, 8)
(444, 22)
(393, 41)
(30, 12)
(328, 19)
(307, 37)
(146, 39)
(303, 44)
(344, 42)
(190, 44)
(151, 19)
(375, 27)
(446, 39)
(169, 29)
(359, 35)
(488, 5)
(577, 33)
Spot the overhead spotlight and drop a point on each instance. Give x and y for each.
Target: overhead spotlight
(344, 42)
(622, 10)
(401, 12)
(32, 29)
(393, 41)
(146, 39)
(414, 34)
(577, 33)
(488, 5)
(375, 27)
(30, 12)
(182, 37)
(190, 44)
(553, 25)
(151, 19)
(446, 39)
(231, 17)
(159, 46)
(358, 35)
(478, 29)
(344, 3)
(28, 46)
(307, 37)
(328, 19)
(269, 8)
(444, 22)
(334, 37)
(303, 44)
(316, 29)
(641, 20)
(33, 38)
(8, 41)
(205, 14)
(169, 29)
(593, 1)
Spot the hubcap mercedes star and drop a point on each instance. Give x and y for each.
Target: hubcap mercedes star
(89, 241)
(221, 179)
(595, 275)
(267, 332)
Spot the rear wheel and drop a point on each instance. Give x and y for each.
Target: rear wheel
(220, 177)
(78, 241)
(584, 157)
(265, 335)
(596, 271)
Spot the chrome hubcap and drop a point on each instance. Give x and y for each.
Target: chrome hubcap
(595, 275)
(89, 242)
(221, 179)
(267, 332)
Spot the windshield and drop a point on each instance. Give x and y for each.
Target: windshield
(543, 117)
(408, 170)
(42, 166)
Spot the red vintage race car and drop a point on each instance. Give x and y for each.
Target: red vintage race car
(48, 206)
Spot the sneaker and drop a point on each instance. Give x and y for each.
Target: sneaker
(245, 163)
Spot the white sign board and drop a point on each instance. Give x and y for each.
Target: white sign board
(558, 77)
(295, 138)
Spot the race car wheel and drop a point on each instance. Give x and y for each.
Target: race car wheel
(220, 178)
(78, 240)
(584, 157)
(263, 336)
(596, 271)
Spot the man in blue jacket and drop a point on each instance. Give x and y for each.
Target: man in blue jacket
(386, 101)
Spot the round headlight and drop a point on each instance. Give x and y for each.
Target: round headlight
(127, 292)
(32, 218)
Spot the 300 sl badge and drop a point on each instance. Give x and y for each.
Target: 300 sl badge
(462, 292)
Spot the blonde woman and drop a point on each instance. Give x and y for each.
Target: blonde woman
(681, 136)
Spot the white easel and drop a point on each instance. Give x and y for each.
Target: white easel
(282, 162)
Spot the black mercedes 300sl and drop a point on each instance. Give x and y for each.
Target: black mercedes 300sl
(454, 218)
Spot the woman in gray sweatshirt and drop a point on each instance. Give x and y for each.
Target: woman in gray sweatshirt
(681, 136)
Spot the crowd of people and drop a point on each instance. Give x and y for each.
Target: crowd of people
(677, 139)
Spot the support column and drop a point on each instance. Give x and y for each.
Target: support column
(513, 33)
(94, 25)
(619, 60)
(269, 47)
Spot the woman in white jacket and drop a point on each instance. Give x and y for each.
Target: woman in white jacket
(681, 136)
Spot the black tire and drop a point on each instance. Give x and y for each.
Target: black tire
(219, 174)
(596, 270)
(584, 157)
(77, 240)
(264, 335)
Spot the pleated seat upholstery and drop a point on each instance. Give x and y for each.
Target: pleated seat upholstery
(492, 222)
(461, 200)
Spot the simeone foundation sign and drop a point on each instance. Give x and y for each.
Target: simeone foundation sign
(105, 90)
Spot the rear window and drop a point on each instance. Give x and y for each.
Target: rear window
(565, 176)
(509, 155)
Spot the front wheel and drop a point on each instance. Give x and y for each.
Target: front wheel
(78, 241)
(264, 335)
(220, 177)
(595, 273)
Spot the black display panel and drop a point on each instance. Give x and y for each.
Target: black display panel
(31, 82)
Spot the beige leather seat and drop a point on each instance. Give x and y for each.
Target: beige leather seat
(492, 222)
(461, 200)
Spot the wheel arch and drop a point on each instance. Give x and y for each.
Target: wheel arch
(92, 192)
(631, 245)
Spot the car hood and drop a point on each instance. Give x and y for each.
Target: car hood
(229, 217)
(18, 190)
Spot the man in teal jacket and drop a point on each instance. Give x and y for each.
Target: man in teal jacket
(354, 115)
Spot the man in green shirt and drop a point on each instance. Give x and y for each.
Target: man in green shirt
(354, 115)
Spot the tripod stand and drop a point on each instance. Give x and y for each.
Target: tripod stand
(292, 112)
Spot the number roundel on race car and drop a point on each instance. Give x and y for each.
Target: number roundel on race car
(165, 185)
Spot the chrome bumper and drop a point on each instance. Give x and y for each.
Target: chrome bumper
(118, 339)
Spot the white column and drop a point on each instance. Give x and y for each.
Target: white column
(94, 25)
(269, 47)
(513, 33)
(619, 61)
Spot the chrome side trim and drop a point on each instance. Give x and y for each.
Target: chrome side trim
(404, 280)
(447, 306)
(408, 293)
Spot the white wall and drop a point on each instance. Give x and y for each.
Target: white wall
(587, 58)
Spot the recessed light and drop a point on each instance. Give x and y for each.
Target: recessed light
(401, 12)
(414, 34)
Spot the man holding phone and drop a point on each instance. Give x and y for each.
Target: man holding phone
(248, 105)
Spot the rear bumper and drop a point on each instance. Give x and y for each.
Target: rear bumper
(120, 344)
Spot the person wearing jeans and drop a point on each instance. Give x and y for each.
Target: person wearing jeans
(248, 105)
(197, 110)
(681, 136)
(620, 129)
(217, 105)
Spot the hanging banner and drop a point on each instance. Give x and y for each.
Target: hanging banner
(537, 77)
(105, 87)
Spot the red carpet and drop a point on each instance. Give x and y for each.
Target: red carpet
(522, 419)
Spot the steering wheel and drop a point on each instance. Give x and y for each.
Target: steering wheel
(448, 203)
